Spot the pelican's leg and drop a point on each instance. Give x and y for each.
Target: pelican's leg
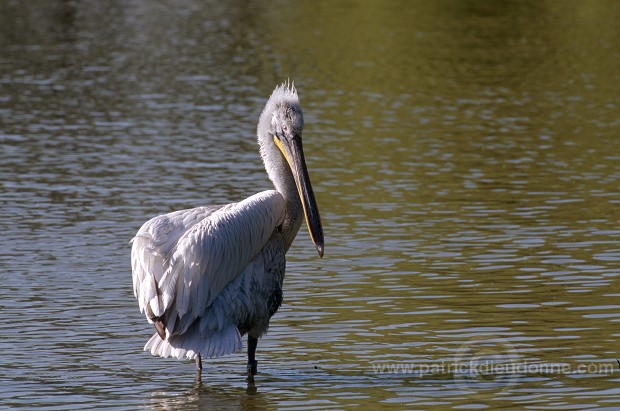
(252, 363)
(198, 363)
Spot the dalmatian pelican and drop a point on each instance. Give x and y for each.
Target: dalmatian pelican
(206, 276)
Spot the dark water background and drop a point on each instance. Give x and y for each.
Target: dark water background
(466, 160)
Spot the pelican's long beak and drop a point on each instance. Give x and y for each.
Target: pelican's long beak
(294, 154)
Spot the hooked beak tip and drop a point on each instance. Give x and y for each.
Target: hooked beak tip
(319, 248)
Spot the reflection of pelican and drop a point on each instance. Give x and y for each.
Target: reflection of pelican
(207, 275)
(208, 397)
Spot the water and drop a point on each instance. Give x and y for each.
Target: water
(465, 160)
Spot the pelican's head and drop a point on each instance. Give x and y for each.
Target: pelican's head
(279, 134)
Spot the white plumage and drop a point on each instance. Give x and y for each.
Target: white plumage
(206, 276)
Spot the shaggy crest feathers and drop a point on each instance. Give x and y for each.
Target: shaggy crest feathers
(286, 88)
(285, 92)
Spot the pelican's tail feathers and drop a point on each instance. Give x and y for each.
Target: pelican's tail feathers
(192, 342)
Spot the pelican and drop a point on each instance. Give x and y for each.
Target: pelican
(206, 276)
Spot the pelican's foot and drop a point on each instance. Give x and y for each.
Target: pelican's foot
(252, 368)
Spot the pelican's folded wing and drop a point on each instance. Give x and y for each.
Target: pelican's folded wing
(206, 257)
(152, 248)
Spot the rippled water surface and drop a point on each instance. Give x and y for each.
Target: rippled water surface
(466, 160)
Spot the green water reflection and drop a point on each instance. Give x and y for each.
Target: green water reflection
(465, 159)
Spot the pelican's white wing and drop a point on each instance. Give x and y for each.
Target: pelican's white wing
(152, 250)
(181, 261)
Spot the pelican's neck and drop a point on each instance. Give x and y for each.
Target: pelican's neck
(282, 178)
